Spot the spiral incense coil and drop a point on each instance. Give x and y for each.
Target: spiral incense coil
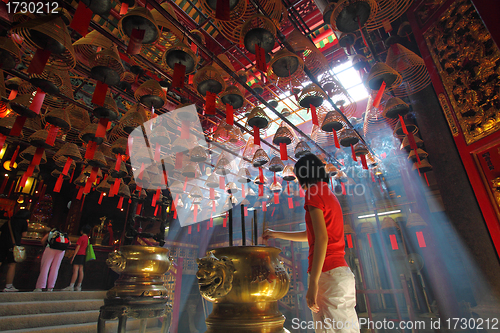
(349, 15)
(87, 46)
(360, 149)
(9, 53)
(7, 123)
(331, 170)
(283, 135)
(258, 30)
(388, 12)
(424, 166)
(422, 154)
(313, 59)
(104, 187)
(140, 18)
(212, 181)
(346, 39)
(311, 95)
(381, 72)
(233, 96)
(24, 164)
(198, 154)
(223, 166)
(88, 134)
(195, 193)
(58, 118)
(338, 95)
(39, 138)
(260, 158)
(405, 144)
(348, 137)
(411, 127)
(29, 153)
(237, 9)
(258, 118)
(56, 173)
(79, 119)
(302, 149)
(288, 174)
(61, 162)
(276, 164)
(106, 66)
(124, 191)
(395, 107)
(333, 121)
(374, 121)
(359, 62)
(284, 66)
(179, 53)
(49, 33)
(160, 136)
(209, 79)
(49, 81)
(244, 176)
(151, 94)
(21, 106)
(70, 150)
(98, 160)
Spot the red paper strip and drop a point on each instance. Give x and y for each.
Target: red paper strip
(421, 240)
(39, 61)
(369, 239)
(353, 154)
(13, 94)
(194, 48)
(212, 194)
(222, 10)
(256, 136)
(100, 92)
(208, 224)
(178, 160)
(213, 206)
(185, 184)
(260, 57)
(195, 213)
(363, 161)
(349, 241)
(175, 214)
(373, 176)
(18, 126)
(115, 188)
(222, 183)
(51, 137)
(261, 176)
(118, 162)
(343, 188)
(80, 193)
(274, 209)
(165, 177)
(190, 79)
(141, 171)
(403, 125)
(14, 157)
(243, 194)
(124, 8)
(290, 203)
(274, 177)
(37, 158)
(229, 115)
(101, 128)
(276, 198)
(66, 166)
(264, 206)
(283, 152)
(135, 43)
(336, 139)
(139, 209)
(138, 188)
(426, 180)
(395, 49)
(378, 97)
(36, 103)
(314, 115)
(156, 210)
(288, 187)
(394, 242)
(185, 129)
(100, 198)
(210, 104)
(91, 148)
(245, 211)
(179, 76)
(130, 143)
(120, 203)
(157, 152)
(211, 221)
(411, 140)
(224, 222)
(81, 19)
(261, 190)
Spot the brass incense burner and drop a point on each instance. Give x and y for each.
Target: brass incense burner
(244, 283)
(141, 269)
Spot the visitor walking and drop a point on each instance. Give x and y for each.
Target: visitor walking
(78, 260)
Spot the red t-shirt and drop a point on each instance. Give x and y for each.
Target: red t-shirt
(320, 196)
(83, 241)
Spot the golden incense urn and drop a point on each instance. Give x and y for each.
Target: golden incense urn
(244, 283)
(141, 269)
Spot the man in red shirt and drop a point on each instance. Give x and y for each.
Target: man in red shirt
(331, 294)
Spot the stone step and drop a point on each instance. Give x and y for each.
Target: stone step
(30, 308)
(47, 319)
(50, 296)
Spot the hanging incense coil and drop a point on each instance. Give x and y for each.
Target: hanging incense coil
(120, 146)
(331, 170)
(56, 173)
(191, 171)
(88, 134)
(29, 153)
(98, 160)
(359, 62)
(87, 46)
(231, 188)
(70, 150)
(104, 187)
(314, 60)
(131, 120)
(276, 188)
(124, 191)
(81, 180)
(302, 149)
(9, 53)
(24, 164)
(160, 136)
(379, 73)
(333, 122)
(388, 223)
(257, 181)
(348, 137)
(180, 146)
(120, 173)
(346, 39)
(232, 96)
(284, 66)
(424, 166)
(411, 67)
(7, 123)
(225, 60)
(258, 118)
(422, 154)
(236, 9)
(311, 95)
(360, 149)
(235, 139)
(39, 138)
(406, 143)
(411, 127)
(223, 166)
(244, 176)
(151, 94)
(58, 118)
(388, 12)
(276, 164)
(208, 79)
(338, 94)
(260, 158)
(195, 193)
(21, 106)
(49, 33)
(61, 162)
(395, 107)
(198, 154)
(181, 54)
(258, 30)
(212, 181)
(140, 18)
(366, 228)
(288, 174)
(374, 124)
(88, 170)
(143, 156)
(106, 66)
(349, 15)
(168, 163)
(132, 185)
(258, 89)
(415, 221)
(283, 135)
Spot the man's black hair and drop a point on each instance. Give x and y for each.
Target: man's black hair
(86, 229)
(309, 170)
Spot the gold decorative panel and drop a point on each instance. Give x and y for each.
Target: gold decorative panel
(468, 62)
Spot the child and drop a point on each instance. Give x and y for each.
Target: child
(78, 260)
(331, 294)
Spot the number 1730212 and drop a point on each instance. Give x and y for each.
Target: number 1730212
(25, 7)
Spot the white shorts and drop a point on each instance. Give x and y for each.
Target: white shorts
(336, 300)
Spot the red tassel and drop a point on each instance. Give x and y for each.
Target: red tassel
(195, 213)
(245, 211)
(274, 209)
(353, 154)
(420, 238)
(51, 137)
(100, 198)
(178, 160)
(194, 48)
(141, 171)
(135, 43)
(229, 114)
(211, 221)
(81, 19)
(38, 156)
(124, 8)
(243, 194)
(156, 210)
(426, 180)
(14, 157)
(157, 152)
(274, 177)
(373, 176)
(210, 104)
(120, 203)
(66, 166)
(115, 188)
(222, 11)
(403, 125)
(185, 184)
(283, 152)
(290, 203)
(343, 188)
(100, 92)
(118, 162)
(394, 242)
(276, 198)
(222, 183)
(91, 148)
(18, 126)
(261, 190)
(288, 187)
(179, 75)
(185, 129)
(363, 161)
(213, 206)
(336, 139)
(13, 94)
(139, 209)
(256, 136)
(101, 128)
(260, 57)
(314, 115)
(378, 97)
(80, 193)
(369, 239)
(39, 61)
(349, 241)
(91, 180)
(212, 194)
(264, 206)
(36, 103)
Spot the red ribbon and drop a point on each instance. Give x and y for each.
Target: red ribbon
(18, 126)
(369, 239)
(195, 213)
(420, 238)
(336, 139)
(157, 152)
(290, 203)
(349, 241)
(179, 75)
(256, 136)
(210, 103)
(394, 242)
(118, 162)
(212, 194)
(67, 166)
(185, 184)
(276, 198)
(363, 161)
(156, 210)
(80, 192)
(91, 148)
(184, 129)
(353, 154)
(343, 188)
(243, 194)
(13, 94)
(135, 43)
(283, 152)
(403, 126)
(100, 91)
(378, 97)
(264, 206)
(211, 221)
(222, 183)
(261, 190)
(81, 19)
(229, 115)
(100, 198)
(37, 158)
(39, 60)
(139, 209)
(14, 157)
(120, 203)
(260, 57)
(178, 160)
(51, 137)
(101, 128)
(141, 171)
(314, 115)
(115, 188)
(36, 103)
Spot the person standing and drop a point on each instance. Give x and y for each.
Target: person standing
(331, 293)
(19, 225)
(56, 243)
(78, 260)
